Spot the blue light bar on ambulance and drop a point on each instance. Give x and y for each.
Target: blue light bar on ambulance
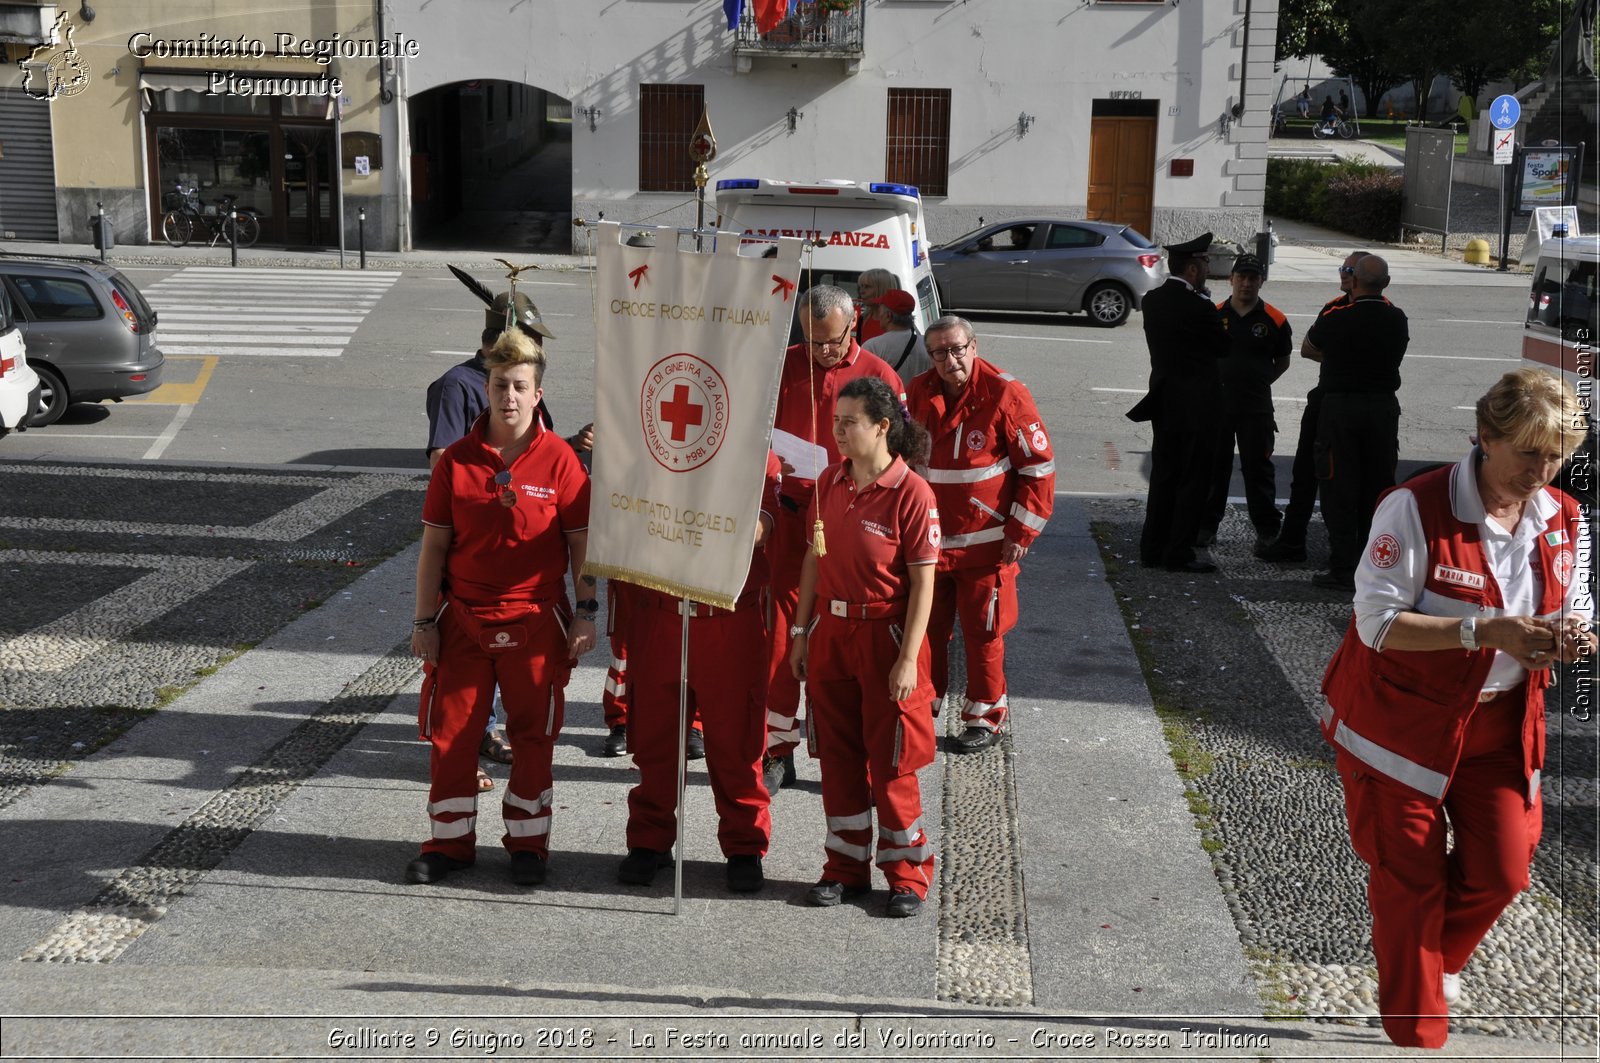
(895, 189)
(916, 252)
(743, 182)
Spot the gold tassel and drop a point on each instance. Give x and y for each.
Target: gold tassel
(819, 545)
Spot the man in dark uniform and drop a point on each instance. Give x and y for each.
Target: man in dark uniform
(1358, 435)
(1186, 339)
(1290, 545)
(1261, 343)
(457, 398)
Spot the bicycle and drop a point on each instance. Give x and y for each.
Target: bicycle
(184, 216)
(1327, 127)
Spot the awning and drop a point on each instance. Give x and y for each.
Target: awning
(150, 84)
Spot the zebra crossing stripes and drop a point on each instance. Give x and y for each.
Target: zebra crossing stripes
(305, 313)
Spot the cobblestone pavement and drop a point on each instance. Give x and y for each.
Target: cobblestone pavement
(1234, 661)
(108, 619)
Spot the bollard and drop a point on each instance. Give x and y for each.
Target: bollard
(1477, 252)
(361, 235)
(101, 236)
(233, 235)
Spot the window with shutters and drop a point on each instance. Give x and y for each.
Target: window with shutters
(917, 140)
(668, 115)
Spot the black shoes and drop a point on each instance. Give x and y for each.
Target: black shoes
(431, 867)
(828, 893)
(527, 869)
(639, 867)
(1334, 581)
(903, 904)
(744, 874)
(695, 747)
(1281, 549)
(616, 743)
(973, 739)
(777, 772)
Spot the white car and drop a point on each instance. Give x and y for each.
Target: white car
(19, 384)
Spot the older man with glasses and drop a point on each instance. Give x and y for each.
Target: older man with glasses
(993, 474)
(802, 435)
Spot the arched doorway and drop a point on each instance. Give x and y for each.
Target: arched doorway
(491, 168)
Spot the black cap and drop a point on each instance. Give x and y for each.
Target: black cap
(1198, 246)
(1248, 264)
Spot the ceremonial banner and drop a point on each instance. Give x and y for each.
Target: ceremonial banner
(688, 349)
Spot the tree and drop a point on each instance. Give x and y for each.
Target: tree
(1503, 39)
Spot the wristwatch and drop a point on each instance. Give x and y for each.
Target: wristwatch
(588, 605)
(796, 630)
(1469, 633)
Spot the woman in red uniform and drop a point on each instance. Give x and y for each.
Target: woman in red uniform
(865, 659)
(506, 516)
(1474, 583)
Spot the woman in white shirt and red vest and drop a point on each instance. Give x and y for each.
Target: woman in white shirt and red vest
(1475, 581)
(865, 659)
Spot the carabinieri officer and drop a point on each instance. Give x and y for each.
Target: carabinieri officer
(865, 657)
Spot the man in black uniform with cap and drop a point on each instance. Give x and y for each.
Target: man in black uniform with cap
(1186, 338)
(1260, 345)
(1360, 346)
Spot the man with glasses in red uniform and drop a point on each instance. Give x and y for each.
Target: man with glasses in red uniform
(802, 435)
(994, 474)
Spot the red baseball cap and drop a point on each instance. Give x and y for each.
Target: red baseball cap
(897, 300)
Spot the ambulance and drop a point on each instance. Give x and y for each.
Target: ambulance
(1558, 335)
(849, 227)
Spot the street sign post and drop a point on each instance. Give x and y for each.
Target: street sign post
(1505, 145)
(1505, 112)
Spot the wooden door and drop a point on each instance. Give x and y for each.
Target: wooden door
(1122, 171)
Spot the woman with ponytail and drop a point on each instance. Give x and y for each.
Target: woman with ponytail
(866, 590)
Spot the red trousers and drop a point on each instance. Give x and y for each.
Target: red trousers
(614, 702)
(986, 600)
(528, 659)
(786, 552)
(870, 748)
(728, 684)
(1431, 908)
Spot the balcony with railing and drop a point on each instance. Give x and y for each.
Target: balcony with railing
(814, 29)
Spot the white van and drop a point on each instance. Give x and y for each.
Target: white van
(1559, 333)
(867, 225)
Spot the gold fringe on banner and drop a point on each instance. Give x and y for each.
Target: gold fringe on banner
(677, 590)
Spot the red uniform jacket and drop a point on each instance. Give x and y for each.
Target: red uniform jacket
(991, 467)
(1404, 713)
(795, 412)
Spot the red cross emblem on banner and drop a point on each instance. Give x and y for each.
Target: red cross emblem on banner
(637, 275)
(680, 414)
(784, 286)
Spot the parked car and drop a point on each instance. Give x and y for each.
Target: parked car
(89, 332)
(1100, 268)
(19, 384)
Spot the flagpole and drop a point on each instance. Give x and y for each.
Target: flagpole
(684, 607)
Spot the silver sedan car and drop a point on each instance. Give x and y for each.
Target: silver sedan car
(1099, 268)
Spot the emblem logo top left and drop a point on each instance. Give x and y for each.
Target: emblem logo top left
(56, 69)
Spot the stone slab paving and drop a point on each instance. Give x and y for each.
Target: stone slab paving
(224, 878)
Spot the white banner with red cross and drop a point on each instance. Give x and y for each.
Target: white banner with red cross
(688, 349)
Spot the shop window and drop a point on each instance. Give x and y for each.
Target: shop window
(917, 147)
(178, 101)
(217, 162)
(668, 115)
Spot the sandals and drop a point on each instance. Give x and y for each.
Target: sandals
(495, 747)
(485, 783)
